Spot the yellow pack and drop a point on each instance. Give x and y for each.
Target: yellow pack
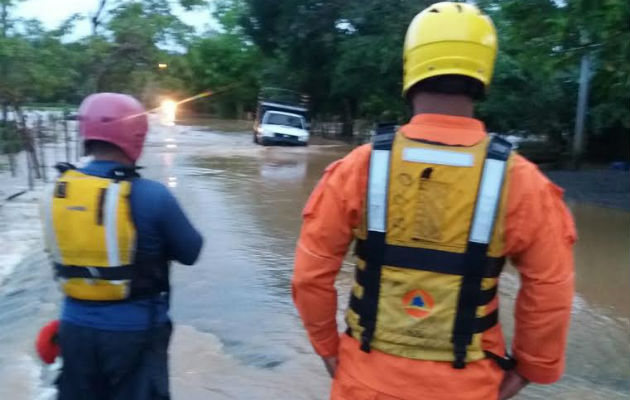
(429, 248)
(92, 236)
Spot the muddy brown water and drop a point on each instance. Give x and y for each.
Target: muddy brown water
(239, 335)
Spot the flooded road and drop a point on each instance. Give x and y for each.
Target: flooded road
(238, 335)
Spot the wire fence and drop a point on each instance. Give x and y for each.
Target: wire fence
(34, 141)
(360, 131)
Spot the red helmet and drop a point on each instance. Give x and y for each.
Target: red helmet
(115, 118)
(47, 344)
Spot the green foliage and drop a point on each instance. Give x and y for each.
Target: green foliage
(536, 80)
(227, 66)
(41, 66)
(345, 54)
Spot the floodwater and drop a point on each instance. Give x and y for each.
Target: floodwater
(238, 335)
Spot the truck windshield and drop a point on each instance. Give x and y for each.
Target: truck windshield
(284, 120)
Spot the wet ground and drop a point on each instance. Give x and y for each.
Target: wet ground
(238, 335)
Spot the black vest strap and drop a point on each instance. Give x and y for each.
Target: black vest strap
(148, 276)
(470, 292)
(373, 262)
(430, 260)
(506, 363)
(124, 272)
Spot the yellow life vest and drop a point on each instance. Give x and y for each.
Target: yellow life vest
(92, 236)
(429, 248)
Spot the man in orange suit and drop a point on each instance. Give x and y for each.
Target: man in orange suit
(434, 209)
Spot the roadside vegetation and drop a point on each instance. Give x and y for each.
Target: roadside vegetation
(344, 54)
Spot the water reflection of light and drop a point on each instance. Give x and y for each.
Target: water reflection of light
(168, 110)
(283, 170)
(171, 146)
(172, 181)
(168, 159)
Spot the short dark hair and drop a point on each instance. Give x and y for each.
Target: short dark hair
(450, 84)
(100, 147)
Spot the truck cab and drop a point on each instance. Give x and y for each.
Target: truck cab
(281, 119)
(281, 127)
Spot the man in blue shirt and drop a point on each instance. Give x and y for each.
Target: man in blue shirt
(112, 235)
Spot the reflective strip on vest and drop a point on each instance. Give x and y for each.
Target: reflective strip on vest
(49, 229)
(111, 224)
(487, 200)
(439, 157)
(377, 190)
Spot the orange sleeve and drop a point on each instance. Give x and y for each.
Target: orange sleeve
(332, 211)
(540, 234)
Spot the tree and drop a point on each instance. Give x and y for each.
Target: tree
(224, 61)
(538, 70)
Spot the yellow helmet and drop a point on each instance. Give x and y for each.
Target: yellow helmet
(449, 39)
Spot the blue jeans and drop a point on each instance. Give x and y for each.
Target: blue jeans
(114, 365)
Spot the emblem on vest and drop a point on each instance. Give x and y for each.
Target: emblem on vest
(418, 303)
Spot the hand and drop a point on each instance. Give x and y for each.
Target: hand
(331, 364)
(512, 384)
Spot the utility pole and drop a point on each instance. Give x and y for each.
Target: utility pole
(579, 139)
(579, 136)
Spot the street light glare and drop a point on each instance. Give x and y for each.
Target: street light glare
(168, 112)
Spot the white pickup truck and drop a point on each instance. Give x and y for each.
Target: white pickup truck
(281, 118)
(279, 127)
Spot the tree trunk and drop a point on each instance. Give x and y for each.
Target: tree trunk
(95, 18)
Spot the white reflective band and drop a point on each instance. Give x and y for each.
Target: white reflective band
(377, 190)
(487, 200)
(111, 224)
(49, 229)
(440, 157)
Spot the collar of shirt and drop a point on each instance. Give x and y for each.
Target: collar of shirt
(445, 129)
(100, 167)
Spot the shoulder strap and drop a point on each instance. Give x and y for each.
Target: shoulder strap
(64, 166)
(378, 183)
(480, 234)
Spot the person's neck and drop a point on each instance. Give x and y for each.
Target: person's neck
(117, 158)
(446, 104)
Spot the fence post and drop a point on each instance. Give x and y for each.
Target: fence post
(12, 163)
(29, 170)
(53, 121)
(77, 140)
(42, 150)
(66, 138)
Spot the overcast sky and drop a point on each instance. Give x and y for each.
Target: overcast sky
(53, 12)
